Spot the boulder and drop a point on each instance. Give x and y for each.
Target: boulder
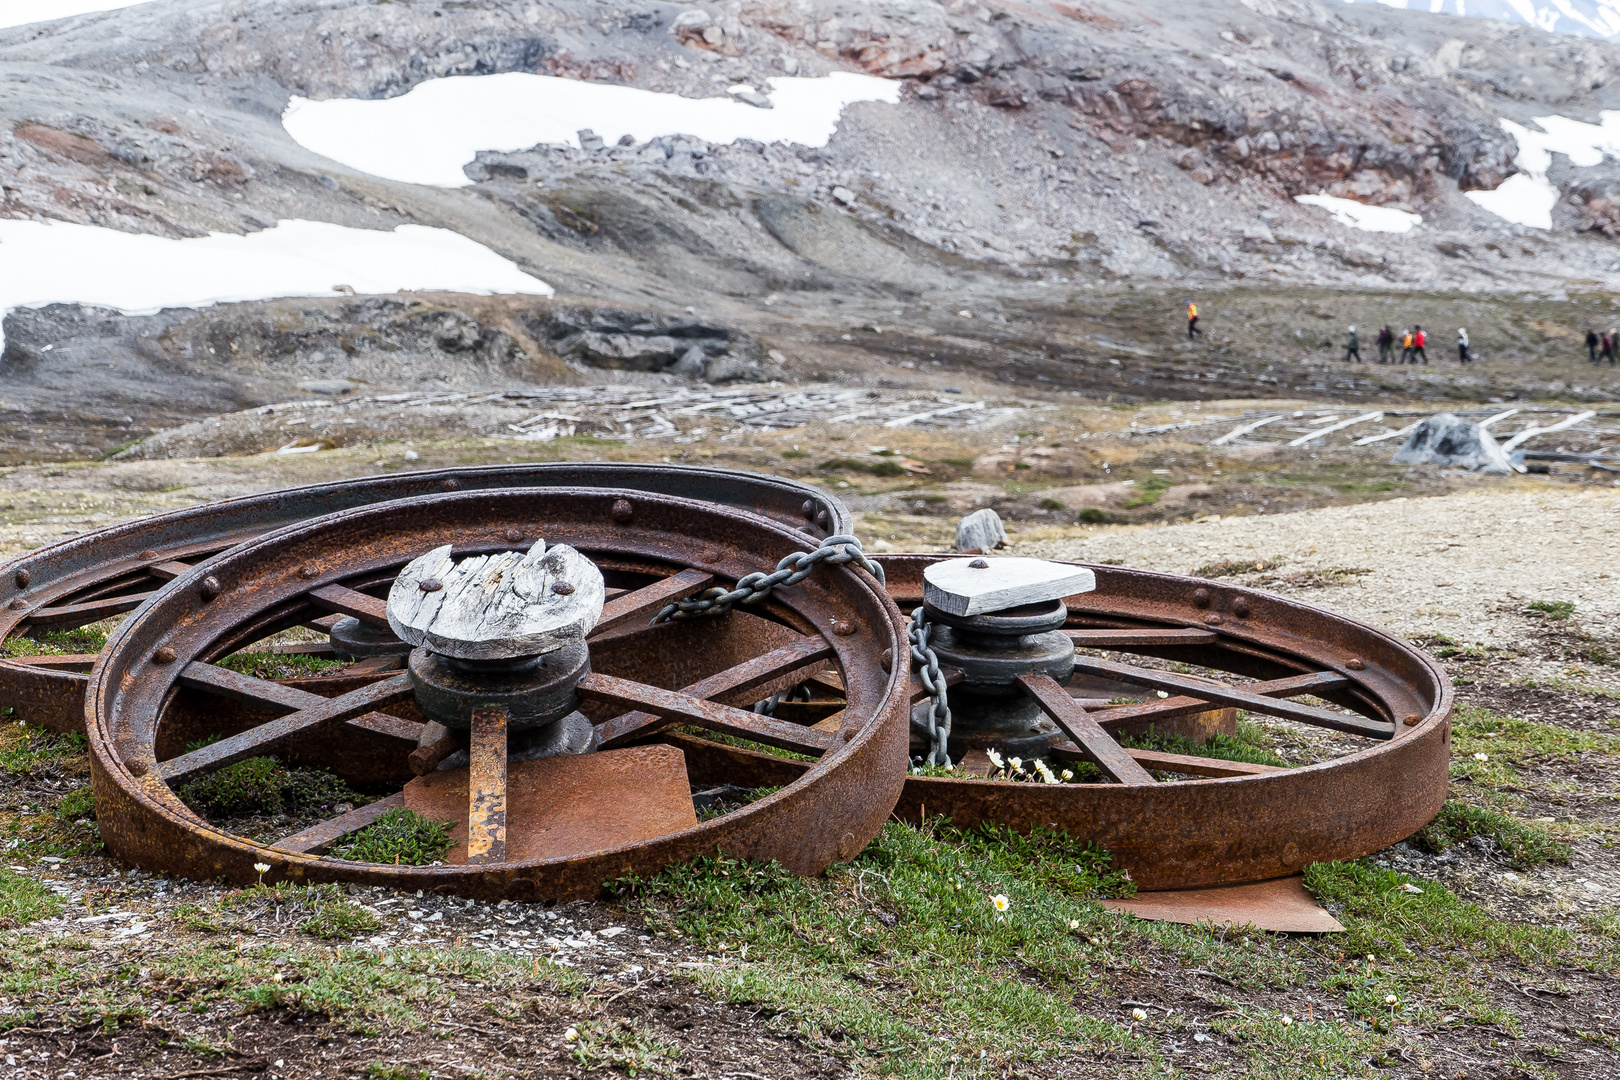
(1447, 439)
(981, 531)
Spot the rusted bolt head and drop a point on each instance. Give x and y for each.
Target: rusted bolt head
(451, 485)
(562, 588)
(887, 660)
(823, 518)
(307, 571)
(209, 588)
(843, 628)
(163, 655)
(1214, 620)
(1356, 663)
(1413, 720)
(513, 535)
(1201, 597)
(430, 584)
(622, 511)
(18, 604)
(808, 510)
(848, 734)
(23, 577)
(1240, 607)
(149, 553)
(980, 564)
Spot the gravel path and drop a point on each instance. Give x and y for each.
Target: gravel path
(1462, 565)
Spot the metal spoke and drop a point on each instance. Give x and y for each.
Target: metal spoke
(1119, 639)
(352, 602)
(1115, 717)
(684, 709)
(88, 612)
(1192, 765)
(486, 787)
(317, 838)
(1242, 699)
(168, 571)
(646, 601)
(1095, 744)
(735, 685)
(318, 713)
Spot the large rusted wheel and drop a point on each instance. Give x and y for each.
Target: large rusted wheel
(108, 572)
(160, 711)
(1183, 821)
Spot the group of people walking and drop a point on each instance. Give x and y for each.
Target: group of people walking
(1414, 346)
(1602, 347)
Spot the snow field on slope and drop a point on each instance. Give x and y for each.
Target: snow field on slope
(1527, 198)
(55, 262)
(429, 134)
(1357, 215)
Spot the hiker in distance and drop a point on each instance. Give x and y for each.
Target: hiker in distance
(1606, 347)
(1192, 321)
(1353, 347)
(1406, 347)
(1613, 339)
(1591, 345)
(1419, 340)
(1386, 344)
(1462, 345)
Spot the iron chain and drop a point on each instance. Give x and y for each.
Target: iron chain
(938, 728)
(757, 586)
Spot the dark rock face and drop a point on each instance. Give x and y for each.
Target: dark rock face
(1447, 439)
(611, 338)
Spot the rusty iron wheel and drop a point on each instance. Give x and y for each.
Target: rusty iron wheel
(111, 571)
(156, 696)
(1229, 822)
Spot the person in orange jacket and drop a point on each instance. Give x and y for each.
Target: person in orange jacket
(1406, 347)
(1192, 321)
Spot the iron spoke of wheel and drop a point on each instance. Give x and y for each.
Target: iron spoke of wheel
(1095, 744)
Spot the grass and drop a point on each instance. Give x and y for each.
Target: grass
(269, 665)
(78, 641)
(1231, 568)
(26, 751)
(400, 836)
(1148, 490)
(881, 467)
(1553, 610)
(263, 785)
(24, 900)
(619, 1045)
(321, 911)
(1458, 822)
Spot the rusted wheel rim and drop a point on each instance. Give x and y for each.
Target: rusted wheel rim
(1254, 823)
(137, 708)
(111, 571)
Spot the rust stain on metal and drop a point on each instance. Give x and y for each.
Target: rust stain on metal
(1282, 905)
(486, 787)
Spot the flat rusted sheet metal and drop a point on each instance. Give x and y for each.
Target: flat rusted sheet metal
(109, 567)
(828, 811)
(1282, 905)
(1216, 831)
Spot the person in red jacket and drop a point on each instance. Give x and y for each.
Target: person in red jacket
(1419, 339)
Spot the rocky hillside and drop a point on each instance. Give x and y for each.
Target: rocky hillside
(1042, 156)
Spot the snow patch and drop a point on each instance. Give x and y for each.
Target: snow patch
(53, 262)
(1357, 215)
(23, 12)
(1582, 18)
(431, 133)
(1527, 197)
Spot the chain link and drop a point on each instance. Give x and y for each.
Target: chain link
(938, 728)
(755, 587)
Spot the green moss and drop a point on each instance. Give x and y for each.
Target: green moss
(874, 468)
(262, 785)
(1230, 568)
(1526, 845)
(1093, 516)
(1148, 490)
(1052, 504)
(795, 454)
(1554, 610)
(400, 836)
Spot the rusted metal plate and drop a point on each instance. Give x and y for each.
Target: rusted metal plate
(114, 569)
(486, 787)
(1283, 905)
(829, 811)
(568, 807)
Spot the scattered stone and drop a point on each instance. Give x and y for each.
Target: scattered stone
(844, 195)
(1447, 439)
(328, 387)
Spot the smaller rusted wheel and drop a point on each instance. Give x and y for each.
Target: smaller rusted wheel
(160, 711)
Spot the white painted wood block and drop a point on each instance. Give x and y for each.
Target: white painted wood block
(958, 587)
(493, 607)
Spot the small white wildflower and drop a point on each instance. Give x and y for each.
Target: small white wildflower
(1482, 757)
(1287, 1020)
(571, 1034)
(1068, 774)
(1163, 693)
(1093, 941)
(1138, 1015)
(1390, 999)
(1017, 763)
(261, 868)
(1411, 888)
(1074, 924)
(1001, 902)
(1047, 776)
(995, 759)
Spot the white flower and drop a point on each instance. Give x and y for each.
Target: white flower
(1287, 1020)
(1138, 1015)
(995, 759)
(1001, 902)
(1390, 999)
(1068, 774)
(1047, 775)
(261, 867)
(1093, 941)
(1411, 888)
(571, 1034)
(1074, 924)
(1163, 693)
(1482, 757)
(1017, 763)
